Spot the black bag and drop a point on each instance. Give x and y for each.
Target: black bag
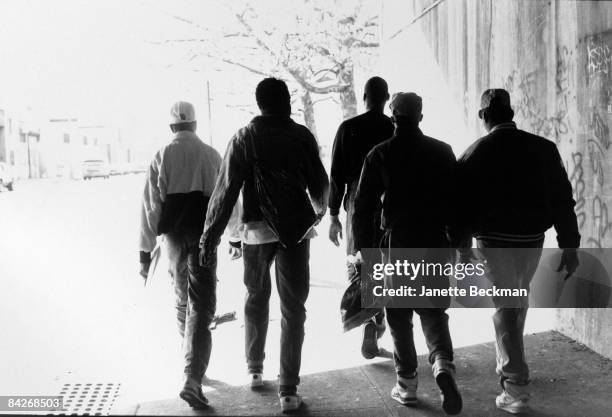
(350, 306)
(284, 203)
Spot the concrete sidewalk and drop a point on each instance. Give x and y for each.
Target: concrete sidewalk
(568, 379)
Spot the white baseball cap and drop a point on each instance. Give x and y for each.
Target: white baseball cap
(182, 112)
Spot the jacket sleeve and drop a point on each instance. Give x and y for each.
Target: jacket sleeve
(151, 207)
(225, 195)
(448, 190)
(337, 173)
(235, 225)
(461, 196)
(317, 181)
(367, 200)
(562, 204)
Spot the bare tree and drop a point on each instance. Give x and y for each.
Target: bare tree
(314, 45)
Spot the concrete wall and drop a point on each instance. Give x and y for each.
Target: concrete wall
(555, 58)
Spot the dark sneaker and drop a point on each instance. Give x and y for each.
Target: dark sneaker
(192, 394)
(449, 393)
(369, 345)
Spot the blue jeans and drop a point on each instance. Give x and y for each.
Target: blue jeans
(293, 284)
(195, 288)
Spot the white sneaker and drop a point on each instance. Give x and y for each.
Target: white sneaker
(256, 380)
(512, 405)
(405, 391)
(290, 403)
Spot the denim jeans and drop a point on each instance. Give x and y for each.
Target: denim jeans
(505, 266)
(293, 284)
(434, 322)
(195, 288)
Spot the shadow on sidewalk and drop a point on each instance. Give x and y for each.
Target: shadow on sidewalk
(567, 378)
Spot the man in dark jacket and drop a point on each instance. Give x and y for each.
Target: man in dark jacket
(413, 174)
(512, 187)
(291, 149)
(180, 180)
(354, 139)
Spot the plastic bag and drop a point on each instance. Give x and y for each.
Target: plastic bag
(350, 306)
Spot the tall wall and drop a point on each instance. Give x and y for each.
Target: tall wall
(555, 58)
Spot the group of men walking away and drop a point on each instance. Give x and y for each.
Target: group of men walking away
(399, 188)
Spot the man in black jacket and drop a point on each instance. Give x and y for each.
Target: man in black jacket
(413, 174)
(354, 139)
(512, 187)
(290, 149)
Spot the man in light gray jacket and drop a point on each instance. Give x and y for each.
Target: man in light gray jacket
(179, 183)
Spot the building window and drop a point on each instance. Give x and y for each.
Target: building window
(10, 126)
(22, 137)
(84, 140)
(66, 138)
(95, 141)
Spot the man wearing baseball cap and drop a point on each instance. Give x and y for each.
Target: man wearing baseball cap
(412, 173)
(179, 183)
(512, 187)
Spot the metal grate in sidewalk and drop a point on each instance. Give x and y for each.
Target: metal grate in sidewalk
(89, 399)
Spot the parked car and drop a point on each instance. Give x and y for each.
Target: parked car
(138, 168)
(94, 168)
(7, 179)
(119, 169)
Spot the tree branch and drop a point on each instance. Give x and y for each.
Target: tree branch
(294, 73)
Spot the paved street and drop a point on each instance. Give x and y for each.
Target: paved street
(73, 308)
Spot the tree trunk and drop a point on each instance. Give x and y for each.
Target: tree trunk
(348, 98)
(309, 116)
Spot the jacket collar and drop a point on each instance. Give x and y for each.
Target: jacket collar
(185, 134)
(271, 118)
(402, 131)
(508, 125)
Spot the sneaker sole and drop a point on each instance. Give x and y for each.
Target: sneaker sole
(513, 409)
(193, 400)
(452, 402)
(411, 402)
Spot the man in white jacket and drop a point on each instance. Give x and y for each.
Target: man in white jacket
(179, 183)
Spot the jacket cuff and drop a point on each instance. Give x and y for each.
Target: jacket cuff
(236, 244)
(568, 242)
(145, 257)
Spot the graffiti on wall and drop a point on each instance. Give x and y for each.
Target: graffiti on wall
(587, 142)
(599, 56)
(576, 177)
(596, 127)
(525, 101)
(601, 223)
